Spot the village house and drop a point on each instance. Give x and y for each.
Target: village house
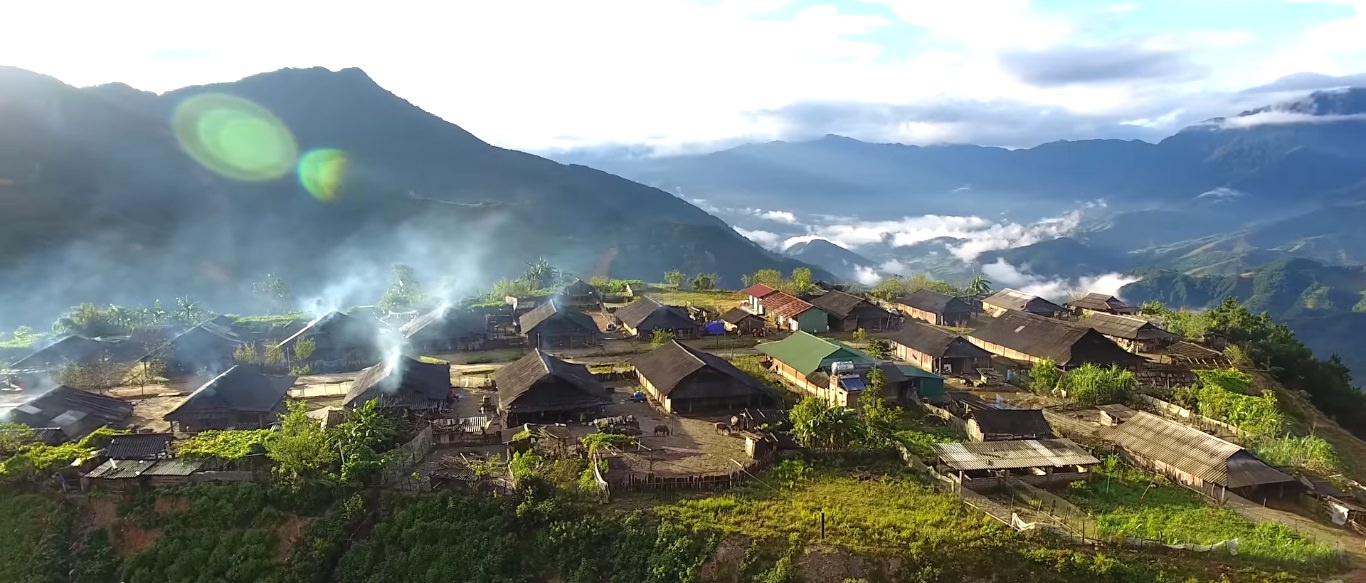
(403, 384)
(795, 314)
(1009, 300)
(579, 294)
(985, 466)
(446, 329)
(742, 321)
(209, 347)
(72, 350)
(1007, 424)
(685, 380)
(1030, 338)
(645, 315)
(341, 342)
(67, 414)
(838, 373)
(937, 308)
(1196, 459)
(848, 312)
(241, 398)
(1130, 333)
(552, 325)
(938, 350)
(1097, 303)
(754, 297)
(540, 388)
(129, 475)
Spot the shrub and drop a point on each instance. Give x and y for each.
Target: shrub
(1044, 376)
(1092, 385)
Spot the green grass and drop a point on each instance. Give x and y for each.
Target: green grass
(272, 319)
(722, 299)
(32, 538)
(1123, 503)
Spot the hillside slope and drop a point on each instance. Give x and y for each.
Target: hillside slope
(99, 200)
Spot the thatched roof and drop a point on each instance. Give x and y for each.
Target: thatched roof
(80, 350)
(841, 304)
(1194, 452)
(445, 323)
(935, 341)
(737, 315)
(337, 329)
(935, 302)
(1012, 421)
(1041, 337)
(402, 383)
(1126, 327)
(242, 389)
(1017, 300)
(75, 412)
(669, 365)
(552, 309)
(1101, 303)
(650, 314)
(516, 381)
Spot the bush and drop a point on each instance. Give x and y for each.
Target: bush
(1092, 385)
(1044, 376)
(227, 445)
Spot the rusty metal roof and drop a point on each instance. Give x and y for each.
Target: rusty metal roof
(1008, 455)
(1194, 452)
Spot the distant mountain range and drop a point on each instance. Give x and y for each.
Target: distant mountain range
(100, 202)
(840, 262)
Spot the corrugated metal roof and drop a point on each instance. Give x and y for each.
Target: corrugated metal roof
(175, 467)
(1006, 455)
(1017, 300)
(1127, 327)
(805, 352)
(785, 304)
(128, 469)
(1194, 452)
(758, 290)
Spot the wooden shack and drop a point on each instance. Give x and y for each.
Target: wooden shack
(685, 380)
(936, 308)
(241, 398)
(1198, 460)
(848, 312)
(553, 325)
(540, 388)
(1008, 300)
(1008, 424)
(644, 316)
(1033, 338)
(938, 350)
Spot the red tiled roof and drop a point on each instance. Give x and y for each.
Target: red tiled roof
(759, 290)
(786, 305)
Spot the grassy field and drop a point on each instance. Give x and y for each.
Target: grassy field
(721, 299)
(1131, 503)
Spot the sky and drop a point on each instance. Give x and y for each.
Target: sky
(681, 75)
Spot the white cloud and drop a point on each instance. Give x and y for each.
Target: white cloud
(866, 275)
(1222, 193)
(775, 216)
(1057, 290)
(1123, 8)
(767, 239)
(1273, 117)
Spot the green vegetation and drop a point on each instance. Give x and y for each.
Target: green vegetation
(284, 319)
(34, 538)
(920, 441)
(23, 337)
(616, 286)
(30, 461)
(1044, 376)
(674, 277)
(225, 445)
(703, 281)
(798, 283)
(1131, 503)
(893, 287)
(817, 423)
(405, 293)
(93, 321)
(1188, 324)
(272, 294)
(660, 337)
(1092, 385)
(593, 441)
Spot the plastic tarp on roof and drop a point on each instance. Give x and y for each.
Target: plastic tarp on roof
(716, 328)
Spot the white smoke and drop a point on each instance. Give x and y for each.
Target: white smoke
(866, 275)
(1004, 275)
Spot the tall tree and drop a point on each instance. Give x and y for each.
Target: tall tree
(673, 277)
(769, 277)
(541, 274)
(405, 293)
(272, 294)
(188, 311)
(89, 320)
(301, 449)
(704, 281)
(801, 281)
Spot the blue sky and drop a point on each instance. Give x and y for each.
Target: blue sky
(689, 74)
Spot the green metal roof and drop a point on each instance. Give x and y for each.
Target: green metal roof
(806, 353)
(931, 385)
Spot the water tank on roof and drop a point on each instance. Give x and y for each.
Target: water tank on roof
(844, 366)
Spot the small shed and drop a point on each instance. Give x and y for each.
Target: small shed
(241, 398)
(1008, 424)
(1098, 303)
(1008, 300)
(938, 350)
(1196, 459)
(403, 383)
(540, 388)
(936, 308)
(645, 315)
(848, 312)
(553, 324)
(983, 466)
(742, 321)
(686, 380)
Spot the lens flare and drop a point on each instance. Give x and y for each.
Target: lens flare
(322, 172)
(234, 137)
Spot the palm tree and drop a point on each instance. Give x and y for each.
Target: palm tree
(540, 273)
(979, 287)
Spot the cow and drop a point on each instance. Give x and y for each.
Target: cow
(662, 430)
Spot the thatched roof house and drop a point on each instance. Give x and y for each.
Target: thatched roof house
(1007, 424)
(207, 347)
(402, 382)
(938, 350)
(686, 380)
(1133, 334)
(540, 388)
(742, 320)
(446, 329)
(645, 315)
(936, 307)
(341, 340)
(1194, 458)
(1008, 300)
(1032, 338)
(848, 312)
(70, 413)
(554, 324)
(241, 398)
